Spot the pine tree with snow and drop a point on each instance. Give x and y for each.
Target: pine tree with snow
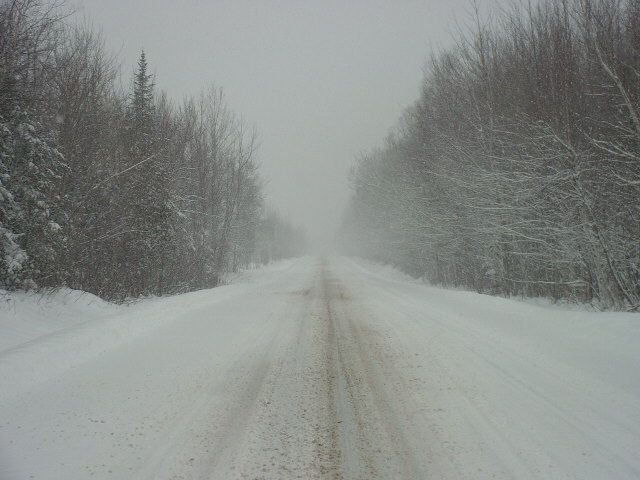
(30, 236)
(145, 191)
(141, 114)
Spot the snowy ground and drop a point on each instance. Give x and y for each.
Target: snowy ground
(317, 369)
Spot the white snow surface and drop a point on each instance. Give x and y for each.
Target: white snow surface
(25, 316)
(314, 368)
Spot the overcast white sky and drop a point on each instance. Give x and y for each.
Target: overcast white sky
(322, 80)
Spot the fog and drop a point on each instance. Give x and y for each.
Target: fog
(319, 239)
(322, 81)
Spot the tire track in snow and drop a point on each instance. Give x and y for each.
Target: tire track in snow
(367, 417)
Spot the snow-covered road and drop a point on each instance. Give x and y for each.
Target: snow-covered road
(325, 369)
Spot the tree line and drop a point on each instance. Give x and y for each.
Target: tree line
(517, 171)
(119, 193)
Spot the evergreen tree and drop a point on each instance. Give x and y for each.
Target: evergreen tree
(30, 237)
(142, 111)
(146, 196)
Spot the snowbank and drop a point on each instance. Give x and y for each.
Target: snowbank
(42, 336)
(25, 316)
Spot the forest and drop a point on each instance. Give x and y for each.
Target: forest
(425, 265)
(118, 190)
(517, 170)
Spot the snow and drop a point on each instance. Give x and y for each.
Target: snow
(518, 390)
(311, 368)
(25, 316)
